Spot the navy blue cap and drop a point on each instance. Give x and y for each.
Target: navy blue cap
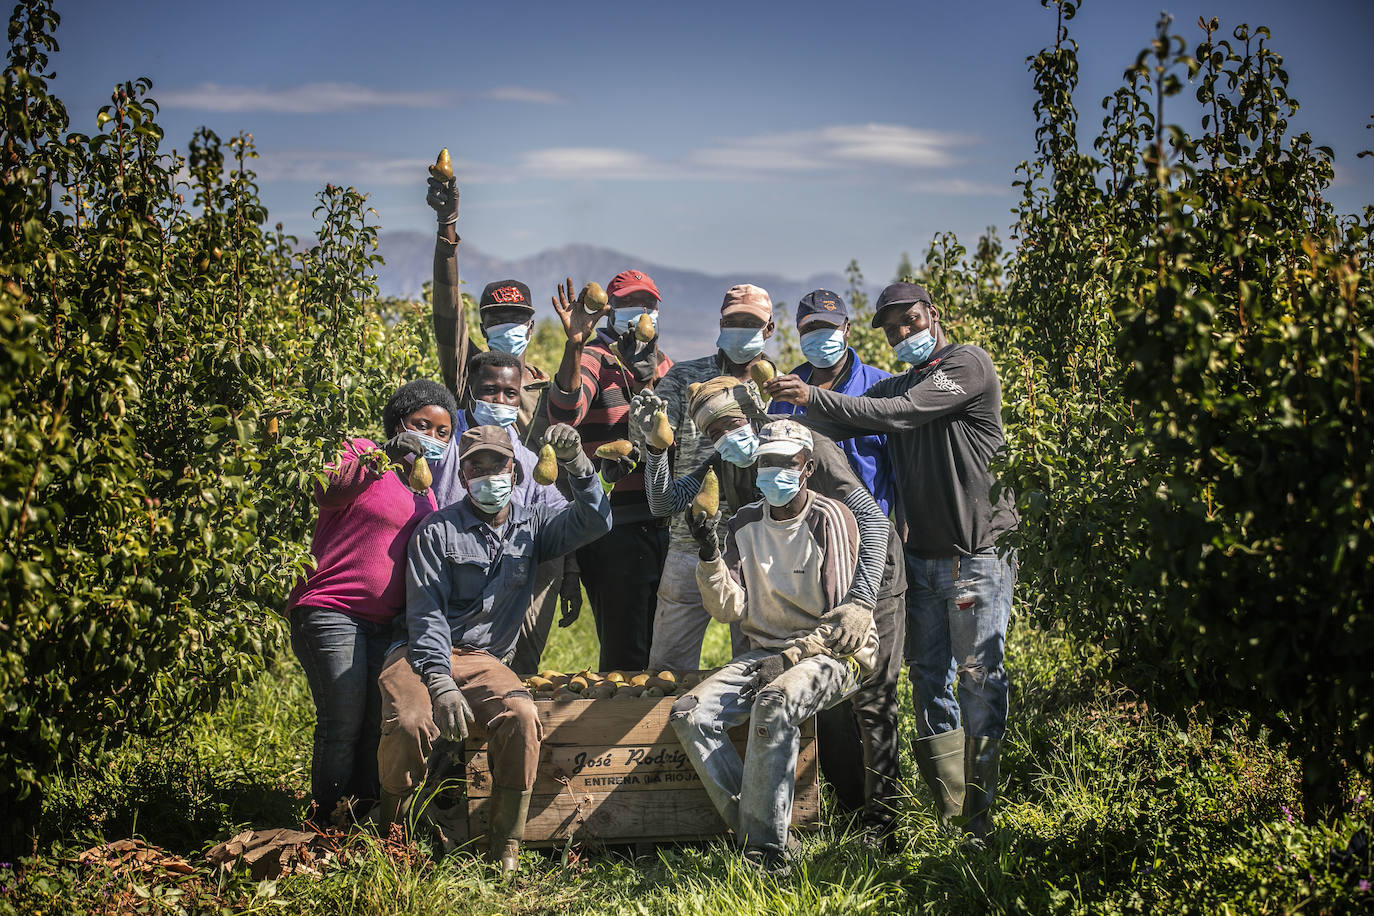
(506, 293)
(822, 305)
(899, 294)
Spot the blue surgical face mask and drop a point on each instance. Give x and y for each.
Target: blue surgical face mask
(487, 413)
(509, 338)
(740, 344)
(779, 485)
(825, 347)
(624, 320)
(434, 448)
(738, 446)
(916, 348)
(490, 493)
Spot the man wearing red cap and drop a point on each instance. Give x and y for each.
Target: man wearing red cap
(602, 369)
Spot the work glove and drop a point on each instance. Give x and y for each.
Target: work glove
(612, 469)
(643, 409)
(705, 530)
(452, 714)
(567, 448)
(443, 199)
(404, 443)
(849, 626)
(763, 672)
(569, 599)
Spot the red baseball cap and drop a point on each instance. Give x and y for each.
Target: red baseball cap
(631, 281)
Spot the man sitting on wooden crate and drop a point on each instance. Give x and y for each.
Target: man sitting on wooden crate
(469, 578)
(786, 570)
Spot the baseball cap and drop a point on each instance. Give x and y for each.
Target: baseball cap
(822, 305)
(899, 294)
(485, 439)
(506, 294)
(783, 437)
(632, 281)
(747, 299)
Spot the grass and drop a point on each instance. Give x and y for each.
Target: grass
(1107, 808)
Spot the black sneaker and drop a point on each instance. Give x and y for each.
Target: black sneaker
(769, 861)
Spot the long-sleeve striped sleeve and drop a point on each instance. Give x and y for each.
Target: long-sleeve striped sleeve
(668, 496)
(873, 532)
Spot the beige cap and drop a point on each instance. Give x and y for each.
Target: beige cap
(747, 299)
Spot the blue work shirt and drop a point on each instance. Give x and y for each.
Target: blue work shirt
(448, 488)
(867, 454)
(469, 585)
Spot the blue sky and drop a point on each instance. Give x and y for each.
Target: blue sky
(725, 137)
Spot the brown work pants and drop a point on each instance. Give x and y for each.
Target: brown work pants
(503, 708)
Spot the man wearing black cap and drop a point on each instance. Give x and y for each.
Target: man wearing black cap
(943, 420)
(469, 578)
(859, 739)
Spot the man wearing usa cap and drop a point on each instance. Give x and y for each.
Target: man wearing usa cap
(469, 578)
(859, 749)
(602, 369)
(943, 420)
(858, 740)
(783, 574)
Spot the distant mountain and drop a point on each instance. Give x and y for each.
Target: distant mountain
(691, 299)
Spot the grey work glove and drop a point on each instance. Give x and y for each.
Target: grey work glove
(567, 448)
(706, 531)
(764, 672)
(443, 199)
(849, 626)
(405, 442)
(452, 714)
(643, 406)
(612, 469)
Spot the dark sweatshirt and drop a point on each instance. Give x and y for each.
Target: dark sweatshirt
(943, 423)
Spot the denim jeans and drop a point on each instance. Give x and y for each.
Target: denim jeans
(342, 657)
(957, 611)
(754, 795)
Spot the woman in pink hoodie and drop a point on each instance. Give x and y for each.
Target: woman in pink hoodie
(341, 613)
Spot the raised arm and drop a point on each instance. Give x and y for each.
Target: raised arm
(450, 325)
(574, 384)
(668, 495)
(588, 516)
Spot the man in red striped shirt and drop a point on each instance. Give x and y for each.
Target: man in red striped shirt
(602, 369)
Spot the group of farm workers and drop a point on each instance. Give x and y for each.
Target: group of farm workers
(859, 526)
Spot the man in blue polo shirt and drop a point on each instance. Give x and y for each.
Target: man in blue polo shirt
(859, 742)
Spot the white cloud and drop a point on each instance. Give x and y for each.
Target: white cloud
(836, 147)
(522, 94)
(326, 98)
(364, 170)
(590, 162)
(960, 187)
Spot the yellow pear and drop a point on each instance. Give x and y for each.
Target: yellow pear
(620, 448)
(661, 435)
(593, 297)
(763, 372)
(707, 501)
(644, 328)
(443, 166)
(420, 475)
(546, 471)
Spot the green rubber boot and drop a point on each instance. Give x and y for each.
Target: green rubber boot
(940, 759)
(509, 808)
(981, 758)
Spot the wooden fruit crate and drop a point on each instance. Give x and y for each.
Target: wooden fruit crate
(612, 771)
